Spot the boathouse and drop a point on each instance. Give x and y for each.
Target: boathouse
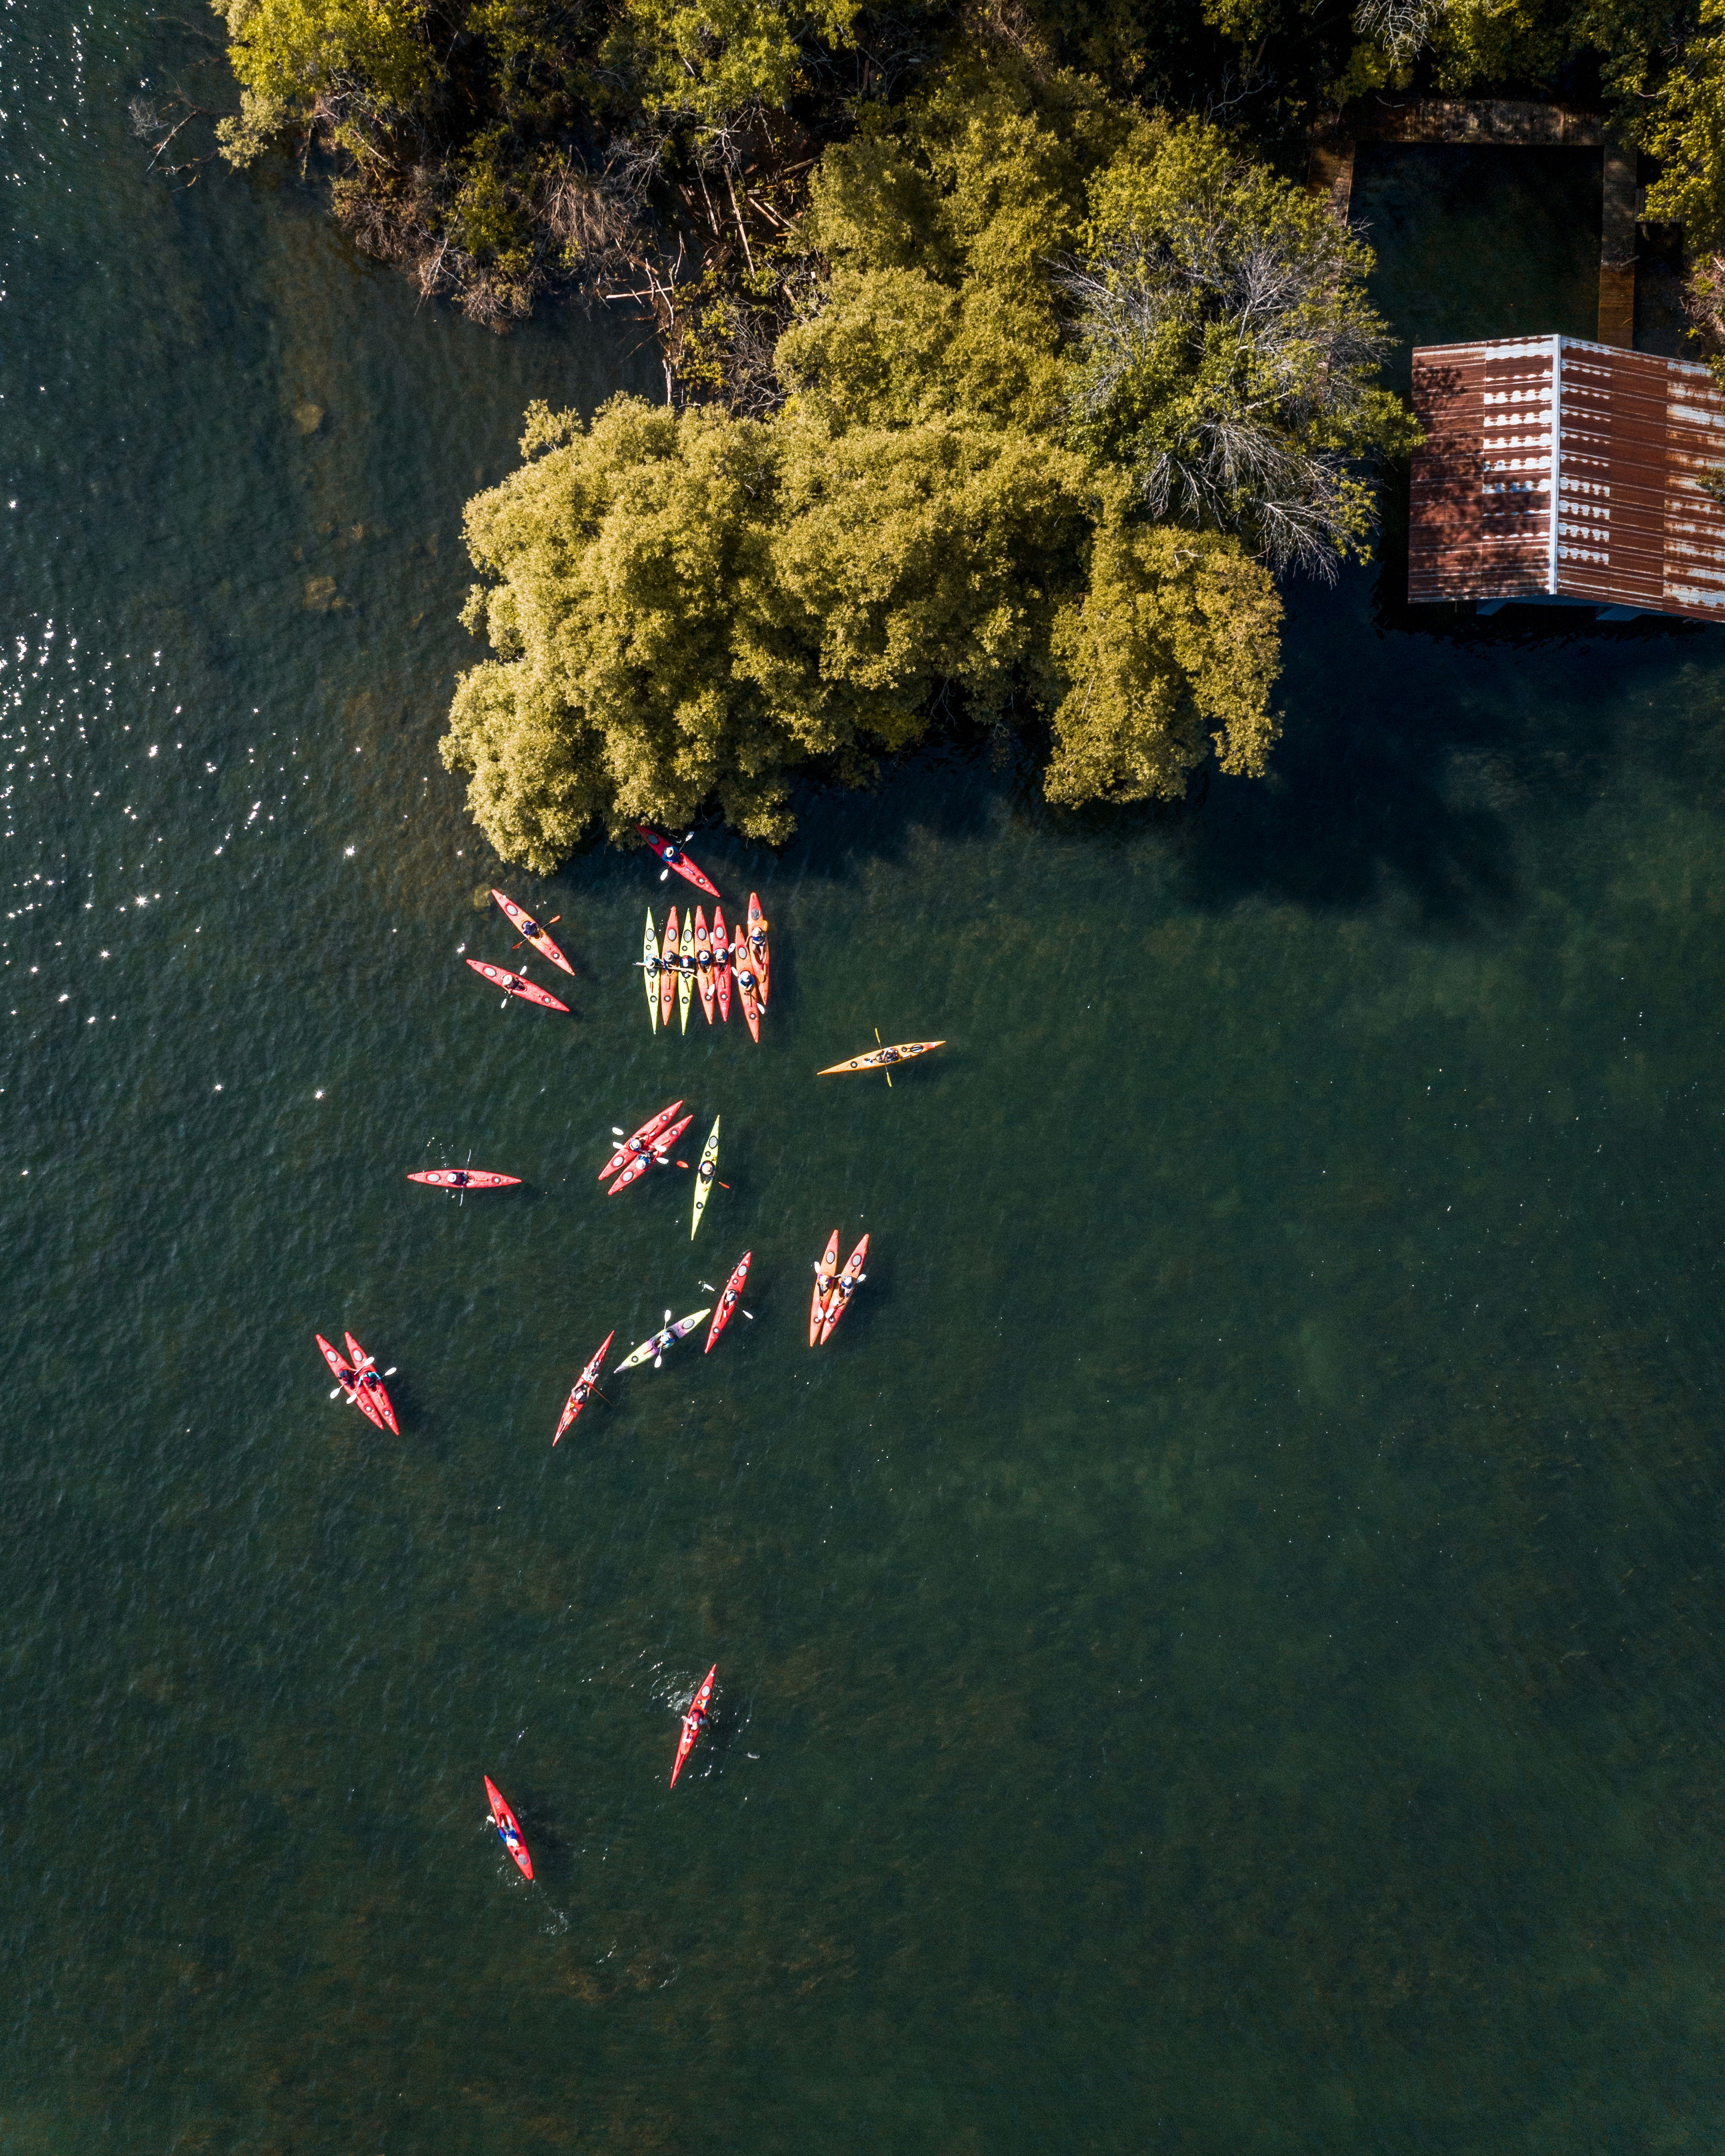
(1567, 473)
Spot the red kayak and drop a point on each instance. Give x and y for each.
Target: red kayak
(746, 985)
(584, 1384)
(728, 1302)
(505, 1822)
(365, 1369)
(643, 1136)
(533, 932)
(721, 963)
(345, 1378)
(758, 953)
(517, 985)
(674, 857)
(694, 1722)
(654, 1156)
(839, 1302)
(463, 1178)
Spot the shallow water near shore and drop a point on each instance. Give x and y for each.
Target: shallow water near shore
(1221, 1651)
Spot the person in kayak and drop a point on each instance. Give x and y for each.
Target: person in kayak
(695, 1721)
(459, 1180)
(745, 980)
(889, 1055)
(705, 1173)
(672, 855)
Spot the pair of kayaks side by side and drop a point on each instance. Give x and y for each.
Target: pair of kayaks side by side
(655, 1155)
(356, 1374)
(637, 1142)
(834, 1288)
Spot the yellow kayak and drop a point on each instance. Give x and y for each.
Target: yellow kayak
(685, 979)
(650, 970)
(704, 1176)
(882, 1058)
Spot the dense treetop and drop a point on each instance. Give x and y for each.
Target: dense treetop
(1007, 363)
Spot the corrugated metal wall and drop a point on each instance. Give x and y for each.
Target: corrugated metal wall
(1630, 434)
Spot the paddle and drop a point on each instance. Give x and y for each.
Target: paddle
(659, 1358)
(711, 1290)
(878, 1043)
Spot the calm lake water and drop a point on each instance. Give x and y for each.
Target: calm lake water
(1222, 1652)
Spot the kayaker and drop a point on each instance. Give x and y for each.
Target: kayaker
(671, 855)
(705, 1171)
(460, 1179)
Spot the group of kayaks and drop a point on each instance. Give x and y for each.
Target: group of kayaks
(690, 957)
(695, 1718)
(709, 960)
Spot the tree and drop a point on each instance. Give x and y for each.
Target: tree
(687, 606)
(1228, 349)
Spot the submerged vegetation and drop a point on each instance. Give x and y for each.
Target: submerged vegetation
(1006, 362)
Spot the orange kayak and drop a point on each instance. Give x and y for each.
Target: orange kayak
(758, 926)
(823, 1273)
(668, 969)
(746, 985)
(722, 964)
(704, 964)
(530, 928)
(880, 1059)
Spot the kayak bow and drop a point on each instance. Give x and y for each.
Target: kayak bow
(500, 977)
(577, 1398)
(704, 1176)
(508, 1830)
(693, 1720)
(529, 927)
(882, 1058)
(674, 857)
(728, 1302)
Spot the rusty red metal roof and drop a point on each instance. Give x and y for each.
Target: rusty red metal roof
(1556, 468)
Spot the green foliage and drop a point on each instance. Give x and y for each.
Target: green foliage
(687, 606)
(721, 62)
(1228, 350)
(1687, 135)
(364, 65)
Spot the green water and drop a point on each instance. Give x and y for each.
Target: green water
(1219, 1654)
